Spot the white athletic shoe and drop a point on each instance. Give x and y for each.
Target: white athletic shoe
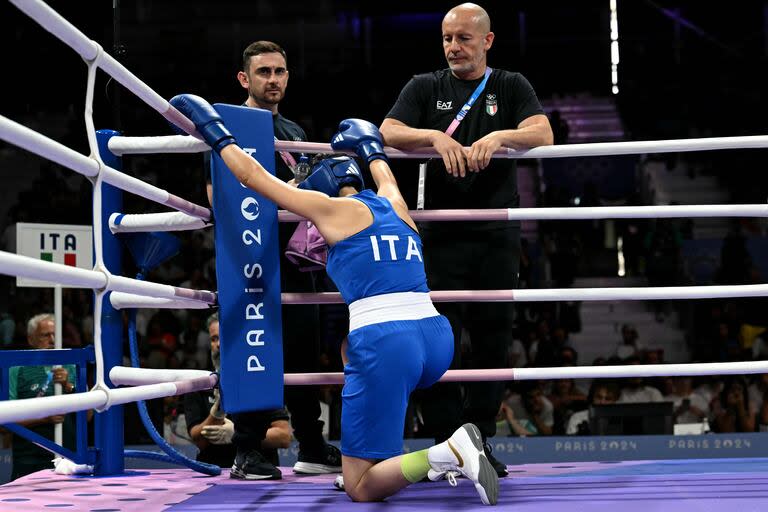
(463, 453)
(338, 483)
(448, 475)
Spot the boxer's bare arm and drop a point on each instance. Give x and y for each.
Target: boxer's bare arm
(387, 187)
(336, 218)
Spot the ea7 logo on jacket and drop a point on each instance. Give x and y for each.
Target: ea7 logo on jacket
(444, 105)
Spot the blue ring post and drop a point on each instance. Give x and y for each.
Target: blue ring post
(108, 433)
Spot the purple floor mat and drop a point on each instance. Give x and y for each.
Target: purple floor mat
(727, 486)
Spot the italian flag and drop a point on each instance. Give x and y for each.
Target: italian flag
(70, 258)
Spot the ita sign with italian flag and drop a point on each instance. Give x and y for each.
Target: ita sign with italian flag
(58, 243)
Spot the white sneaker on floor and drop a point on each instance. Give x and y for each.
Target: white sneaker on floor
(463, 453)
(338, 483)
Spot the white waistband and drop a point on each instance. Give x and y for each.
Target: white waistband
(390, 307)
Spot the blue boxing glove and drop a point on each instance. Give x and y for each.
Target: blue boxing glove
(331, 174)
(361, 136)
(206, 120)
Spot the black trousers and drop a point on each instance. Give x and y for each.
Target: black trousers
(471, 260)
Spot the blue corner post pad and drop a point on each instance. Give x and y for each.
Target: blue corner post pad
(248, 272)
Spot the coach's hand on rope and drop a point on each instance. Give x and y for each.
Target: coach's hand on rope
(206, 120)
(219, 434)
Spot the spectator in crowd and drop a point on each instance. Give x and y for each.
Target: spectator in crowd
(601, 392)
(634, 389)
(758, 400)
(733, 412)
(516, 355)
(508, 115)
(630, 345)
(529, 413)
(215, 434)
(688, 406)
(39, 381)
(566, 398)
(760, 347)
(542, 349)
(568, 356)
(709, 388)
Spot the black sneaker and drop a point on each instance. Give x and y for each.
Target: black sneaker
(501, 469)
(251, 465)
(325, 460)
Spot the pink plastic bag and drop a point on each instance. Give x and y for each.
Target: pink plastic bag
(307, 248)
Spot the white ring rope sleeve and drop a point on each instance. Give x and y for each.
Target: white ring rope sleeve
(146, 222)
(121, 300)
(121, 145)
(128, 376)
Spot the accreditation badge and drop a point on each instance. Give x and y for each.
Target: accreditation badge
(491, 105)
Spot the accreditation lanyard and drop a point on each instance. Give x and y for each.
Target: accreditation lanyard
(287, 158)
(449, 131)
(468, 105)
(284, 155)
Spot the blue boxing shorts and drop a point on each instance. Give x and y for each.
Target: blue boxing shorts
(387, 361)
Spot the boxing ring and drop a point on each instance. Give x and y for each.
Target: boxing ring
(602, 485)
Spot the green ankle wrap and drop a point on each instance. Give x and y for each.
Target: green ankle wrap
(415, 466)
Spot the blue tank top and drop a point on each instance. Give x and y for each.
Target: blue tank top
(385, 257)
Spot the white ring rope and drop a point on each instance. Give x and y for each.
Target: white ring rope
(186, 144)
(562, 294)
(24, 266)
(99, 399)
(571, 150)
(31, 408)
(178, 221)
(572, 213)
(565, 372)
